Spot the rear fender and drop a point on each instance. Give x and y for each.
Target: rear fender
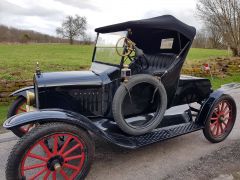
(22, 92)
(208, 105)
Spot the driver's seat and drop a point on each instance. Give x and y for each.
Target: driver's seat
(155, 63)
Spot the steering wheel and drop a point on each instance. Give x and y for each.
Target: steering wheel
(128, 45)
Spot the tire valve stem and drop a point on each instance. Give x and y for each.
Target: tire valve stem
(57, 167)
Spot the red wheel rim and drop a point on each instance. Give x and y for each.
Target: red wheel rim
(22, 109)
(43, 159)
(221, 119)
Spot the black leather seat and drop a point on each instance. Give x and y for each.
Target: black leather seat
(157, 63)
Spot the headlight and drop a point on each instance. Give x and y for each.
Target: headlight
(30, 98)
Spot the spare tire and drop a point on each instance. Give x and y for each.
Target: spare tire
(146, 87)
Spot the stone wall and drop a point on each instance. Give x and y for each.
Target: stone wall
(7, 87)
(219, 67)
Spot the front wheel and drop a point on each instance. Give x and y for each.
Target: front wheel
(18, 107)
(51, 151)
(221, 119)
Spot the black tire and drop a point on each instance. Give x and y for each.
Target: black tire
(40, 133)
(123, 91)
(13, 110)
(226, 106)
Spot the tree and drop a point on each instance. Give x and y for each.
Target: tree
(25, 38)
(73, 28)
(223, 16)
(214, 37)
(201, 40)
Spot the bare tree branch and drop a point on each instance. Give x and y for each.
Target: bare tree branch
(224, 17)
(73, 27)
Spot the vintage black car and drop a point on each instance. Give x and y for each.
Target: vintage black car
(132, 96)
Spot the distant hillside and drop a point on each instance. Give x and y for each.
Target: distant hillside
(13, 35)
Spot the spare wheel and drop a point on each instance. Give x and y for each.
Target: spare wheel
(139, 105)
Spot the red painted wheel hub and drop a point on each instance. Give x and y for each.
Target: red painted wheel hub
(57, 156)
(221, 119)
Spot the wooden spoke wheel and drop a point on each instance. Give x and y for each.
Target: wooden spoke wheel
(221, 119)
(51, 151)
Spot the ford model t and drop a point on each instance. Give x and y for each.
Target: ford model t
(131, 97)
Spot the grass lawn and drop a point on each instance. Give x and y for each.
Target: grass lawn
(3, 113)
(204, 54)
(18, 61)
(217, 82)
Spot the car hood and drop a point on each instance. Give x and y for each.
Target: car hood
(69, 78)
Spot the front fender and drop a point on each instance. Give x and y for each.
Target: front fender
(59, 115)
(208, 105)
(22, 92)
(49, 115)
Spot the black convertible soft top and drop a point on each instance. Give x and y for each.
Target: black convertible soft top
(166, 22)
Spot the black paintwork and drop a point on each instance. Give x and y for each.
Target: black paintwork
(101, 127)
(108, 129)
(108, 73)
(165, 22)
(192, 89)
(94, 98)
(70, 78)
(88, 92)
(208, 104)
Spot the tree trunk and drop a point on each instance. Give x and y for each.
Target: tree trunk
(235, 51)
(71, 41)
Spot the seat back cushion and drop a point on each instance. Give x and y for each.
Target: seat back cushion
(158, 62)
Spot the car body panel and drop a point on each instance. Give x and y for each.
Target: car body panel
(208, 105)
(106, 128)
(68, 78)
(22, 92)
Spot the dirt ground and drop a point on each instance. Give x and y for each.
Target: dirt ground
(222, 164)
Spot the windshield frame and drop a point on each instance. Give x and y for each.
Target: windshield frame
(110, 64)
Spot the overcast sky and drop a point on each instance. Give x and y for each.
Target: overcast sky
(45, 15)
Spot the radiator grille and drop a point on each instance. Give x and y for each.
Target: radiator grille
(89, 101)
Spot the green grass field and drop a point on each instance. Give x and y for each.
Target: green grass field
(3, 113)
(19, 61)
(204, 54)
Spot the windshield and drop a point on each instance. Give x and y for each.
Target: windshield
(106, 47)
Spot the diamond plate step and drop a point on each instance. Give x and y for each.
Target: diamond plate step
(165, 133)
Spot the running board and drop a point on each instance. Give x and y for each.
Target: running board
(165, 133)
(112, 133)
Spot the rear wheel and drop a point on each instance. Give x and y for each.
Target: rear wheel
(221, 120)
(51, 151)
(18, 107)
